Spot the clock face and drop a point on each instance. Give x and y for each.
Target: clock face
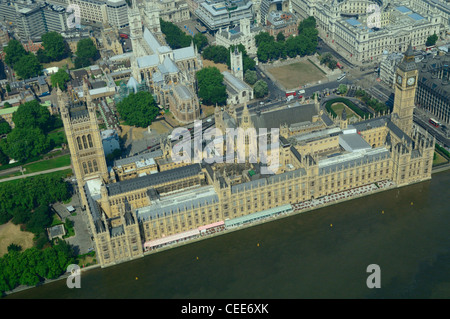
(399, 79)
(411, 80)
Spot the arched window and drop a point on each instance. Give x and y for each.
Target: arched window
(84, 142)
(90, 167)
(90, 140)
(94, 162)
(80, 147)
(85, 168)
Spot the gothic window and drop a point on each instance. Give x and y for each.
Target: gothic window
(85, 168)
(90, 140)
(94, 162)
(85, 142)
(90, 167)
(80, 147)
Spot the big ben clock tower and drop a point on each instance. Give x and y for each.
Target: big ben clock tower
(405, 91)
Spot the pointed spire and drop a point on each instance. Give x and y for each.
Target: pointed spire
(409, 52)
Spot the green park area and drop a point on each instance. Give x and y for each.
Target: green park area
(338, 108)
(45, 165)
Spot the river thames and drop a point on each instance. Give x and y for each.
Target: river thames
(323, 253)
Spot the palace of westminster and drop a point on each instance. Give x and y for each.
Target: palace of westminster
(142, 200)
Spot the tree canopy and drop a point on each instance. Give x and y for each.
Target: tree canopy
(211, 89)
(29, 137)
(33, 265)
(216, 53)
(24, 63)
(260, 89)
(5, 128)
(55, 46)
(138, 109)
(175, 37)
(14, 51)
(32, 114)
(20, 198)
(431, 40)
(86, 53)
(305, 43)
(28, 66)
(59, 79)
(250, 77)
(200, 40)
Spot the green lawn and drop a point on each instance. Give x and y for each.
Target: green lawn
(439, 159)
(63, 174)
(58, 137)
(297, 74)
(339, 107)
(11, 175)
(60, 161)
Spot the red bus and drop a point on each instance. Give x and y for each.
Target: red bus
(123, 36)
(294, 93)
(434, 122)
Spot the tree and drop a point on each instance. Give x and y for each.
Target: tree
(211, 88)
(28, 66)
(250, 77)
(32, 114)
(308, 23)
(175, 37)
(55, 46)
(86, 53)
(263, 37)
(14, 52)
(138, 109)
(332, 64)
(431, 40)
(216, 53)
(201, 41)
(14, 247)
(4, 159)
(40, 219)
(280, 37)
(23, 144)
(342, 88)
(42, 56)
(260, 89)
(4, 127)
(29, 136)
(60, 79)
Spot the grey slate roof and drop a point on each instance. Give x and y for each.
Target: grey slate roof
(268, 180)
(153, 179)
(349, 160)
